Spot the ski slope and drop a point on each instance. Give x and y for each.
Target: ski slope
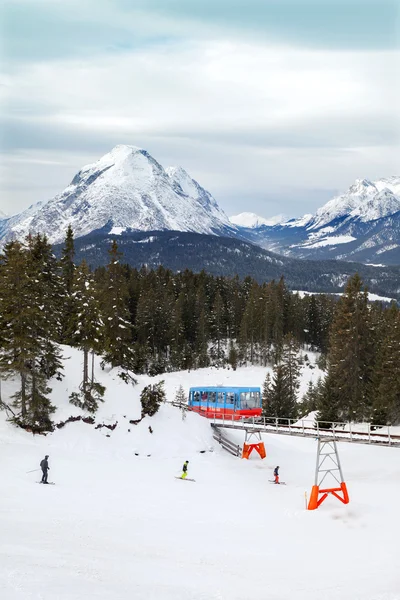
(118, 525)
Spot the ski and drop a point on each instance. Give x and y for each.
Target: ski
(280, 483)
(48, 483)
(186, 479)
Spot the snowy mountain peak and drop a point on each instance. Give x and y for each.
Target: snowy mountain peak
(361, 186)
(251, 220)
(365, 200)
(125, 188)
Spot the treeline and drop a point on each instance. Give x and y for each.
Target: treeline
(153, 321)
(362, 363)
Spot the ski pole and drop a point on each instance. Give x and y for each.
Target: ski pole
(33, 471)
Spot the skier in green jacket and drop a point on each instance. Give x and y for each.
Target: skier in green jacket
(184, 469)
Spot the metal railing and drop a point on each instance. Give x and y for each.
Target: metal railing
(225, 442)
(366, 433)
(349, 432)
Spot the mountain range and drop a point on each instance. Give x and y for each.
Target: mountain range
(127, 192)
(362, 224)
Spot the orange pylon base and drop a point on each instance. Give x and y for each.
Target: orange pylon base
(316, 500)
(248, 449)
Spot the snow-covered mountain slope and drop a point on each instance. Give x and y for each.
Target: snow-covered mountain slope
(2, 215)
(126, 188)
(249, 219)
(361, 225)
(365, 201)
(118, 525)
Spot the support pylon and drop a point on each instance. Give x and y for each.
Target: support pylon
(327, 456)
(250, 444)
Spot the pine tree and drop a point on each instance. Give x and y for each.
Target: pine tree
(202, 328)
(313, 337)
(309, 402)
(280, 302)
(267, 395)
(177, 334)
(233, 355)
(180, 396)
(277, 399)
(265, 327)
(218, 329)
(15, 311)
(28, 306)
(250, 332)
(87, 336)
(46, 295)
(329, 404)
(67, 281)
(181, 400)
(151, 397)
(144, 327)
(351, 354)
(386, 403)
(280, 395)
(115, 314)
(291, 366)
(202, 341)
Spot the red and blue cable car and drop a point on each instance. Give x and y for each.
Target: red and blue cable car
(226, 402)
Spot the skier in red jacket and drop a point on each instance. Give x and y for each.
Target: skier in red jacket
(276, 474)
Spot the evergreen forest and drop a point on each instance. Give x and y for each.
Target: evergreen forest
(153, 321)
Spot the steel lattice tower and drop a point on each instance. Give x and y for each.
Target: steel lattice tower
(328, 466)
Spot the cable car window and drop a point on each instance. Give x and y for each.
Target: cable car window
(196, 396)
(212, 397)
(204, 396)
(249, 400)
(221, 397)
(230, 397)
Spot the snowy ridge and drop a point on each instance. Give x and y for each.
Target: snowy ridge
(249, 219)
(126, 188)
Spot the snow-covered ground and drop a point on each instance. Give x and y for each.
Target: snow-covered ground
(371, 297)
(118, 525)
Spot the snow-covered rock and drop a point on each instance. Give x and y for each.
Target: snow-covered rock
(126, 188)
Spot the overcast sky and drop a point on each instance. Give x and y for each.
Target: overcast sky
(272, 105)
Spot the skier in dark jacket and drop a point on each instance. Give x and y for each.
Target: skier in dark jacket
(276, 474)
(44, 465)
(184, 469)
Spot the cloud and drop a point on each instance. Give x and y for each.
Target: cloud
(243, 115)
(232, 92)
(51, 29)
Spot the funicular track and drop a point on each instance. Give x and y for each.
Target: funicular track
(378, 435)
(340, 432)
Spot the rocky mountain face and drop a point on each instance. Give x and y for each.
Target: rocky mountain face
(126, 189)
(361, 225)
